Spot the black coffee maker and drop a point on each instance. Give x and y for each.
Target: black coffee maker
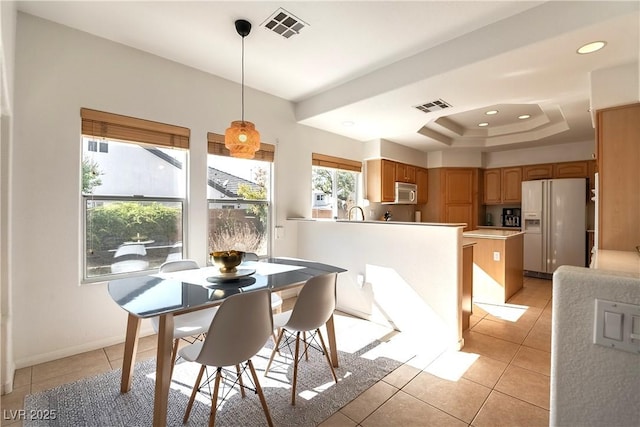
(510, 217)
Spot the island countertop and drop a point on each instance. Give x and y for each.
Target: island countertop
(492, 234)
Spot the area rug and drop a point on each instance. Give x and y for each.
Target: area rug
(97, 401)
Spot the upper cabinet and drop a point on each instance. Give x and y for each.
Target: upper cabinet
(502, 185)
(571, 169)
(382, 174)
(405, 173)
(492, 185)
(511, 185)
(531, 172)
(381, 177)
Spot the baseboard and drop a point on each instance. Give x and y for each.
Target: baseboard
(72, 351)
(7, 387)
(538, 274)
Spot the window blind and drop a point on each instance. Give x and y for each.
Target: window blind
(115, 126)
(335, 162)
(215, 145)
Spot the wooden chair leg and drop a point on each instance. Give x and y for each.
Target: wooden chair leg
(214, 399)
(326, 353)
(263, 401)
(295, 369)
(306, 346)
(240, 380)
(193, 395)
(174, 356)
(273, 353)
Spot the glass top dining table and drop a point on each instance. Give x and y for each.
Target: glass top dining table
(169, 294)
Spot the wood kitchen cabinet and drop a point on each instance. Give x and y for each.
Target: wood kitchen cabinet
(618, 162)
(492, 181)
(422, 181)
(502, 185)
(571, 169)
(466, 298)
(453, 196)
(381, 177)
(532, 172)
(499, 260)
(511, 185)
(405, 173)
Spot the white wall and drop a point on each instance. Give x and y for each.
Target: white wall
(615, 86)
(591, 385)
(59, 71)
(548, 154)
(455, 158)
(412, 274)
(7, 66)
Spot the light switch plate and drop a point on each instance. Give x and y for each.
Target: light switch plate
(496, 256)
(616, 325)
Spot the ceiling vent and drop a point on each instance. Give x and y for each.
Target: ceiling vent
(284, 23)
(432, 106)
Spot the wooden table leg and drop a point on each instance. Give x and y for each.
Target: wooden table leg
(163, 370)
(331, 335)
(130, 349)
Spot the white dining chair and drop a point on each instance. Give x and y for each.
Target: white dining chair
(239, 330)
(276, 299)
(314, 306)
(188, 327)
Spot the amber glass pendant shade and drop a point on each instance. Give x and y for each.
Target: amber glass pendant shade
(242, 139)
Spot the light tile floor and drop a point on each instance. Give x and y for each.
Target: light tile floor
(500, 377)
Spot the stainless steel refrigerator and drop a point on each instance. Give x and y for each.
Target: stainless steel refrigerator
(554, 222)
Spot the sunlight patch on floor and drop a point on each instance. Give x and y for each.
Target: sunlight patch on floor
(452, 365)
(310, 394)
(509, 312)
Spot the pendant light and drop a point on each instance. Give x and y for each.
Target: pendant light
(241, 138)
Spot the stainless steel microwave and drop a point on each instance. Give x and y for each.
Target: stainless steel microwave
(406, 194)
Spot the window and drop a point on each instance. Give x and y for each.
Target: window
(239, 198)
(334, 185)
(133, 192)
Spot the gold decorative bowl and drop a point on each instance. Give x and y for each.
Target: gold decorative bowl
(227, 261)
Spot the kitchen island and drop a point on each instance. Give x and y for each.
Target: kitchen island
(497, 264)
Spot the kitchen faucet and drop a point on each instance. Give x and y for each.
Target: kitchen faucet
(355, 207)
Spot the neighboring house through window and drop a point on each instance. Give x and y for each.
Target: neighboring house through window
(133, 190)
(239, 198)
(335, 184)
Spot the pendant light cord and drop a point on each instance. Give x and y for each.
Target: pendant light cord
(242, 79)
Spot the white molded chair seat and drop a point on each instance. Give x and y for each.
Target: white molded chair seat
(239, 330)
(313, 308)
(276, 300)
(188, 326)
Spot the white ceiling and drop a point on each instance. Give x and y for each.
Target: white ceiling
(371, 62)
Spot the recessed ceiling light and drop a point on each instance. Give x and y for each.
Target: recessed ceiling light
(483, 124)
(348, 123)
(591, 47)
(524, 116)
(491, 112)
